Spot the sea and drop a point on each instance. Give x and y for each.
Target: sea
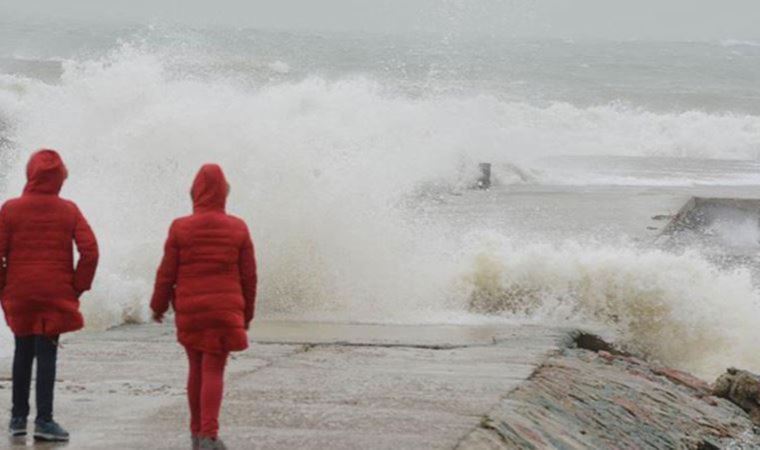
(353, 156)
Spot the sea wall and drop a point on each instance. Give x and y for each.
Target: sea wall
(581, 399)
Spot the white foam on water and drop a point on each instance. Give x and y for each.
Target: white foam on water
(323, 173)
(279, 66)
(6, 340)
(739, 43)
(677, 309)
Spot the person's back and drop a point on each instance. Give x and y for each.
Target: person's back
(208, 275)
(39, 285)
(208, 293)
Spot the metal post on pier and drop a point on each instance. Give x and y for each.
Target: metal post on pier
(484, 180)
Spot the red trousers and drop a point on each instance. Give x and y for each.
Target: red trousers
(205, 386)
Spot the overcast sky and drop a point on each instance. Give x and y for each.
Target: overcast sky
(615, 19)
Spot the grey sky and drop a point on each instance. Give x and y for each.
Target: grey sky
(617, 19)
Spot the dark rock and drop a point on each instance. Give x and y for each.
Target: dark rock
(707, 445)
(741, 388)
(594, 343)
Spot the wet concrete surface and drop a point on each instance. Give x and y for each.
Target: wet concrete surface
(558, 213)
(300, 385)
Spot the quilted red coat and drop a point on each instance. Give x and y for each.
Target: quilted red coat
(208, 272)
(39, 285)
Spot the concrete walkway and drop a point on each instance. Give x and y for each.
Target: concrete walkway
(300, 385)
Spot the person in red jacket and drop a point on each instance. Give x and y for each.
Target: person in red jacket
(39, 287)
(208, 276)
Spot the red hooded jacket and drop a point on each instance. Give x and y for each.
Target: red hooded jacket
(208, 272)
(39, 285)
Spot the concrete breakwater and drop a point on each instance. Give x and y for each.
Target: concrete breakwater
(579, 399)
(347, 386)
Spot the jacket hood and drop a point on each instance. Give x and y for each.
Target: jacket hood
(210, 189)
(45, 173)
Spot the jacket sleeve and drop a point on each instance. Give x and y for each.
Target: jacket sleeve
(248, 276)
(166, 277)
(5, 237)
(87, 246)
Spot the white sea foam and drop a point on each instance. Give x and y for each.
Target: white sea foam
(677, 309)
(279, 66)
(739, 43)
(323, 172)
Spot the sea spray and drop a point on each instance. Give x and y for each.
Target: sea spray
(325, 172)
(317, 169)
(676, 309)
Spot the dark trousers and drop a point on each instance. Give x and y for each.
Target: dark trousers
(45, 349)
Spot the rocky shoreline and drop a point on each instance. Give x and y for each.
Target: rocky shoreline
(581, 398)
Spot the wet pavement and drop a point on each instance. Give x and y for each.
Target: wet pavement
(300, 385)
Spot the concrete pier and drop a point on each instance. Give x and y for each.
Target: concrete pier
(300, 385)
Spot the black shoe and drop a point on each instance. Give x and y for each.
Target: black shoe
(50, 431)
(211, 444)
(17, 427)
